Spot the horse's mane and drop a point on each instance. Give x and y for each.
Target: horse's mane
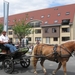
(49, 44)
(68, 41)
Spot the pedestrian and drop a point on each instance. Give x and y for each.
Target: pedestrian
(23, 42)
(37, 42)
(30, 48)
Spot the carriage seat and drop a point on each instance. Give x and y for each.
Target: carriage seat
(4, 49)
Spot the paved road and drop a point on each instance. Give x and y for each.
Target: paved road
(50, 66)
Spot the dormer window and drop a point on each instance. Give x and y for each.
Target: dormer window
(31, 18)
(46, 22)
(31, 24)
(37, 24)
(65, 21)
(58, 14)
(55, 21)
(67, 13)
(48, 15)
(42, 16)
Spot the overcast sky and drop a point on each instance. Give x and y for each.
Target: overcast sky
(20, 6)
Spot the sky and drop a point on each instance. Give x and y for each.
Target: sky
(21, 6)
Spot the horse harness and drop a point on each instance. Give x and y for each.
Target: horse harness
(55, 53)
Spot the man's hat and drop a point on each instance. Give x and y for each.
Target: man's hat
(3, 31)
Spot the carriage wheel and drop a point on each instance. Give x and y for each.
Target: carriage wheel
(25, 63)
(8, 66)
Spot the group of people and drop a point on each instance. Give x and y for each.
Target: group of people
(6, 42)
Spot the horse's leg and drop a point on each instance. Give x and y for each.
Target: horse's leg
(41, 62)
(64, 67)
(59, 66)
(34, 64)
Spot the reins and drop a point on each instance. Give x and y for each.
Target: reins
(64, 48)
(54, 53)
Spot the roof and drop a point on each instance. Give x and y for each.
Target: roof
(48, 15)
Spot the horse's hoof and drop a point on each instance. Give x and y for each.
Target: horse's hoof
(53, 73)
(35, 73)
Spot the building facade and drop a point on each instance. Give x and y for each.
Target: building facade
(52, 25)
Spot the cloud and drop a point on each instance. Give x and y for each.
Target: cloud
(20, 6)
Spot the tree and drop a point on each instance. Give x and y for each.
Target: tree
(1, 28)
(21, 29)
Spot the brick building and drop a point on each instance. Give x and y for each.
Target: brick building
(52, 25)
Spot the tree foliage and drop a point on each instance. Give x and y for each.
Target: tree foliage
(21, 29)
(1, 28)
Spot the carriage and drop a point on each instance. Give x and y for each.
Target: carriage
(10, 60)
(57, 53)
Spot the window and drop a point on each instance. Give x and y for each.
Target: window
(58, 14)
(55, 21)
(47, 40)
(42, 16)
(46, 30)
(37, 24)
(67, 13)
(38, 31)
(48, 15)
(31, 18)
(65, 21)
(37, 38)
(65, 29)
(46, 22)
(55, 39)
(53, 30)
(65, 38)
(10, 32)
(32, 24)
(29, 38)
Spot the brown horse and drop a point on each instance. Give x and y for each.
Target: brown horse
(58, 53)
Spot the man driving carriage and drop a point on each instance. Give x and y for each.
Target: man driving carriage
(5, 41)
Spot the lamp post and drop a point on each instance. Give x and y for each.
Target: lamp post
(6, 11)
